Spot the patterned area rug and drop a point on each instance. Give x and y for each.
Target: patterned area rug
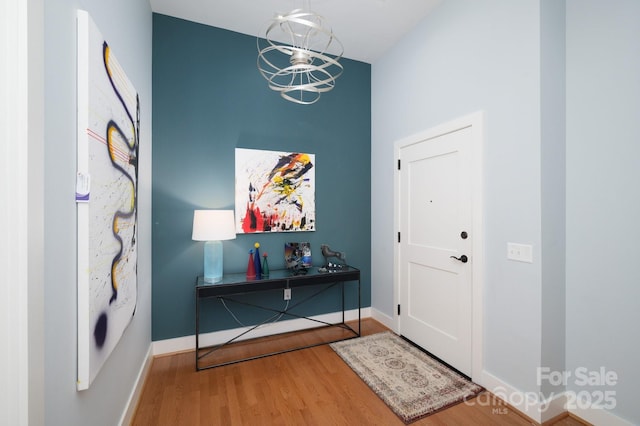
(409, 381)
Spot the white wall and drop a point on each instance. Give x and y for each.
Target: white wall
(553, 183)
(127, 26)
(469, 56)
(603, 200)
(562, 161)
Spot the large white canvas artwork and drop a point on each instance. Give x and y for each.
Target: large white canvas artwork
(275, 191)
(106, 196)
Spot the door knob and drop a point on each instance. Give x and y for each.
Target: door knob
(463, 258)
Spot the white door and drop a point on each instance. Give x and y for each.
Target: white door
(434, 257)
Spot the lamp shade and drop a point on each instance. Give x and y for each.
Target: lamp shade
(213, 225)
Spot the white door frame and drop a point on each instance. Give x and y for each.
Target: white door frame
(476, 122)
(21, 217)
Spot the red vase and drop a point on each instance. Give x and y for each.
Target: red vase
(251, 267)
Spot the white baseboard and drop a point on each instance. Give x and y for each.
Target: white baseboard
(516, 398)
(177, 344)
(384, 319)
(180, 344)
(546, 409)
(552, 407)
(134, 396)
(528, 403)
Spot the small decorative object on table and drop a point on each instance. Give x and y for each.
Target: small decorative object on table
(256, 261)
(297, 257)
(265, 266)
(328, 254)
(251, 267)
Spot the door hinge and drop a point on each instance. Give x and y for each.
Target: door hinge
(398, 236)
(398, 309)
(398, 164)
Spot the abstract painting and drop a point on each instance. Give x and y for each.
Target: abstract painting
(106, 197)
(275, 191)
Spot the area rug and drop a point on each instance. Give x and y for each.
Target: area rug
(408, 380)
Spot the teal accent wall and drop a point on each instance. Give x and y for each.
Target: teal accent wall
(208, 99)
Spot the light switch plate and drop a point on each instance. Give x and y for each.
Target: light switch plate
(520, 252)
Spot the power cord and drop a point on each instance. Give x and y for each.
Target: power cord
(269, 321)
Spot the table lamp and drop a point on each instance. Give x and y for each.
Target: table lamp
(213, 226)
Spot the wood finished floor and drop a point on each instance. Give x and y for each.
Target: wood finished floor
(306, 387)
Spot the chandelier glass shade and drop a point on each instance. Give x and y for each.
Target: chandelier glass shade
(294, 56)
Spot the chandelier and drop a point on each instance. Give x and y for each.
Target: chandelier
(294, 56)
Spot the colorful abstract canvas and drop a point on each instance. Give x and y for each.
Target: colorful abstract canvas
(275, 191)
(106, 196)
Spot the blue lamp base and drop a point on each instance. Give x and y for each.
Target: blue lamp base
(213, 261)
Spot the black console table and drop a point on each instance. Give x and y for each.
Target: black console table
(237, 284)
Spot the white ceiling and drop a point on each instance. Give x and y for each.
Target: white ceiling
(366, 28)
